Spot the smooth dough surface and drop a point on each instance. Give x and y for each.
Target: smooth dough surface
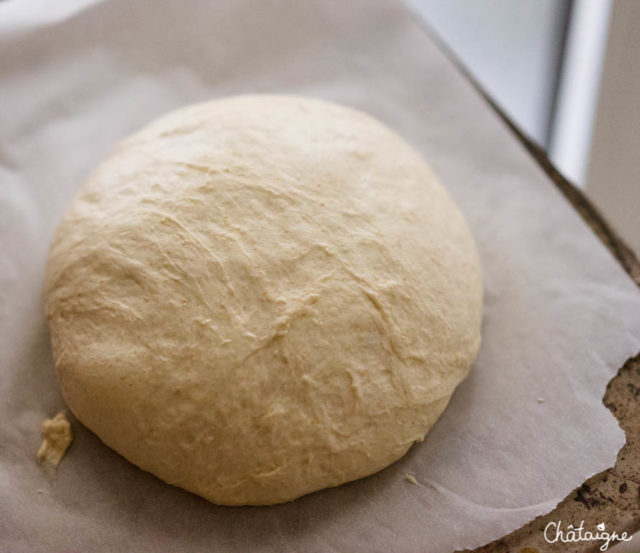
(262, 296)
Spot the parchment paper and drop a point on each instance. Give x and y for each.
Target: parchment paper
(560, 315)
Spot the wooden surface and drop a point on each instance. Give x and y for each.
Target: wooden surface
(612, 496)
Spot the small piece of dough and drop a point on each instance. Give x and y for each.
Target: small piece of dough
(258, 297)
(56, 437)
(411, 478)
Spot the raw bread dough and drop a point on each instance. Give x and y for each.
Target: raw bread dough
(56, 438)
(262, 296)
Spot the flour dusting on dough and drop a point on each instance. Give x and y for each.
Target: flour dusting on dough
(56, 437)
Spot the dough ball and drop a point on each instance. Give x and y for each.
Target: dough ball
(262, 296)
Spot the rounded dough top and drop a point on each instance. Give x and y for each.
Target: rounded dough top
(262, 296)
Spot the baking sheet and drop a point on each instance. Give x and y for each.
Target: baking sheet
(560, 314)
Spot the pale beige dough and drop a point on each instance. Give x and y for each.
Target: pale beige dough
(262, 296)
(56, 438)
